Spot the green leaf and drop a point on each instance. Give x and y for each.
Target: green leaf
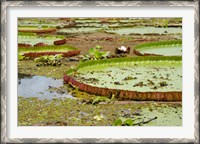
(98, 47)
(158, 44)
(59, 56)
(37, 59)
(118, 122)
(92, 51)
(44, 57)
(20, 57)
(128, 122)
(51, 58)
(75, 119)
(100, 99)
(123, 119)
(105, 54)
(97, 54)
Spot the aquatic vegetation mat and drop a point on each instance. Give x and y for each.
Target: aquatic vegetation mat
(29, 67)
(33, 52)
(68, 112)
(166, 48)
(50, 60)
(135, 78)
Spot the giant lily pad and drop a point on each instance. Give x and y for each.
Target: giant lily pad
(145, 30)
(48, 50)
(36, 29)
(77, 30)
(32, 39)
(159, 48)
(44, 22)
(140, 78)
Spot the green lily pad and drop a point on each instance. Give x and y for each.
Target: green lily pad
(149, 74)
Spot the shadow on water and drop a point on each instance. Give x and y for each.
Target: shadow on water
(38, 86)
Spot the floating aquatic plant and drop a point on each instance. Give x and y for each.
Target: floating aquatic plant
(53, 60)
(159, 44)
(20, 57)
(36, 29)
(109, 73)
(122, 121)
(99, 99)
(159, 48)
(48, 50)
(126, 60)
(99, 117)
(33, 39)
(26, 34)
(122, 50)
(95, 54)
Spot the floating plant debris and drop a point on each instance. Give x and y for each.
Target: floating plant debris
(129, 78)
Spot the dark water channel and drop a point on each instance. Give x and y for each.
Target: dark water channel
(38, 86)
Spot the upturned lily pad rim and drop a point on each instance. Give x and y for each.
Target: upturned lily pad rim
(55, 48)
(123, 60)
(158, 44)
(27, 34)
(34, 35)
(36, 27)
(37, 30)
(124, 94)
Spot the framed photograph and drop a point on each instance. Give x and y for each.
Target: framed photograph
(100, 71)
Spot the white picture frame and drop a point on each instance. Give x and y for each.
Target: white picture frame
(5, 88)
